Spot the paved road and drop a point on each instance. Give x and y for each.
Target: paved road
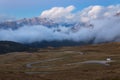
(29, 65)
(103, 62)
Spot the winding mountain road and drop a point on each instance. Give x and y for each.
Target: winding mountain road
(29, 65)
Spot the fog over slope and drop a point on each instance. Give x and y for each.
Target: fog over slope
(97, 23)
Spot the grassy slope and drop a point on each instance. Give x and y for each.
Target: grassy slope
(9, 46)
(13, 65)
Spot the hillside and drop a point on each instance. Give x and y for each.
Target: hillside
(65, 63)
(9, 46)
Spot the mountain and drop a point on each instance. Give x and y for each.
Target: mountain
(45, 22)
(42, 21)
(27, 22)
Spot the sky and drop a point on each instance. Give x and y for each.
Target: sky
(92, 20)
(31, 8)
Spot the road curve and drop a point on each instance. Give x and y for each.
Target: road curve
(29, 65)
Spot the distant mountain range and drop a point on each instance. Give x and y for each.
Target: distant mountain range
(40, 21)
(13, 46)
(8, 46)
(27, 22)
(45, 22)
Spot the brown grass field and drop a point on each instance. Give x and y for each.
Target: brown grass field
(13, 65)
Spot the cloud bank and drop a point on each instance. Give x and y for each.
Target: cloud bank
(88, 14)
(105, 22)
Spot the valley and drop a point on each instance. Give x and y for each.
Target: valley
(63, 63)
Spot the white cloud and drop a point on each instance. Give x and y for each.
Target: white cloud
(59, 13)
(98, 12)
